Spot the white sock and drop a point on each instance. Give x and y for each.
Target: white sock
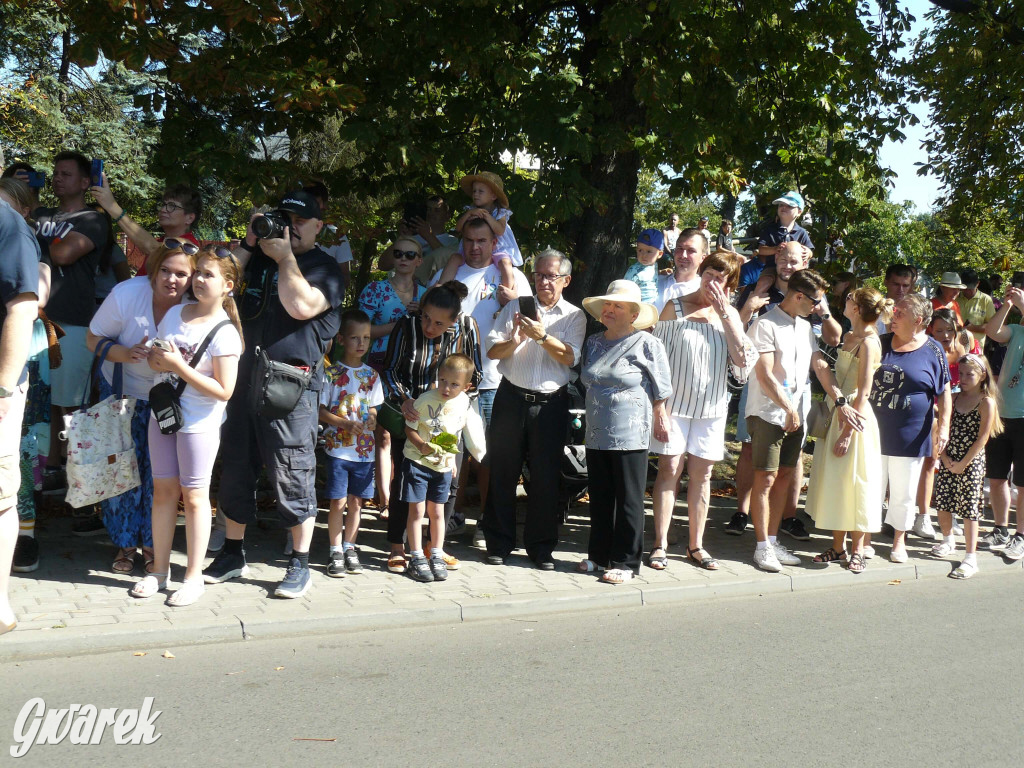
(416, 553)
(347, 545)
(772, 540)
(761, 545)
(920, 515)
(335, 550)
(436, 552)
(971, 558)
(951, 539)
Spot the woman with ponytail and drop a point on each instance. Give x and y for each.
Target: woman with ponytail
(183, 461)
(846, 480)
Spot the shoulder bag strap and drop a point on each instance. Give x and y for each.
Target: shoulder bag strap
(199, 352)
(99, 356)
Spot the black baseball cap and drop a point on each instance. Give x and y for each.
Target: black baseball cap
(300, 203)
(969, 278)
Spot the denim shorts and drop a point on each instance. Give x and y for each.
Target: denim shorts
(349, 478)
(421, 484)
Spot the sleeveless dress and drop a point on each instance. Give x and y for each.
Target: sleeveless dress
(961, 494)
(843, 492)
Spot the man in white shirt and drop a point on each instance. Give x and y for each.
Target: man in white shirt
(691, 248)
(531, 412)
(486, 298)
(787, 350)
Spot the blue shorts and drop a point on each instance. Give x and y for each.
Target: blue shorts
(349, 478)
(422, 484)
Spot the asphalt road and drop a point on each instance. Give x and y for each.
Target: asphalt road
(920, 673)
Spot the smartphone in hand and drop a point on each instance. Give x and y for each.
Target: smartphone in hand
(36, 179)
(528, 308)
(97, 172)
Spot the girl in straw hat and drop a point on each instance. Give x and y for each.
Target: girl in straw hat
(490, 204)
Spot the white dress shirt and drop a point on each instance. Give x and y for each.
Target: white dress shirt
(530, 366)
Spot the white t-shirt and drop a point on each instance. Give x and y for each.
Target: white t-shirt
(669, 289)
(792, 340)
(341, 251)
(350, 393)
(126, 316)
(200, 413)
(482, 304)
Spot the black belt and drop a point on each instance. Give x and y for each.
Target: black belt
(534, 397)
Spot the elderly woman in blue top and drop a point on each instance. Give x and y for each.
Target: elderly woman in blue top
(624, 371)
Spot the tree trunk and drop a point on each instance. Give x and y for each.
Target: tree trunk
(728, 209)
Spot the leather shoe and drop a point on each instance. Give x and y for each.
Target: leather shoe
(495, 560)
(544, 563)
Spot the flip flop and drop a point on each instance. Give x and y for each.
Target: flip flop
(588, 566)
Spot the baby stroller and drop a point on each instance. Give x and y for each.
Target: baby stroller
(574, 478)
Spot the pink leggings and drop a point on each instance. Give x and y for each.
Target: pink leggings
(185, 456)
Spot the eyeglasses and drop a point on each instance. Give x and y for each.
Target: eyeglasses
(185, 246)
(171, 206)
(540, 277)
(409, 255)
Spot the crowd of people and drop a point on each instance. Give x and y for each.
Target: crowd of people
(457, 362)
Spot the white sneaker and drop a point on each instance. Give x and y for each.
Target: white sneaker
(869, 552)
(923, 527)
(766, 560)
(479, 540)
(784, 556)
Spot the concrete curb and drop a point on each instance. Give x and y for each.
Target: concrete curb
(26, 646)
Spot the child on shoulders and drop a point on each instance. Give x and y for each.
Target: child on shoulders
(644, 271)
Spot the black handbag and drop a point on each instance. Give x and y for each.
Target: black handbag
(277, 387)
(165, 398)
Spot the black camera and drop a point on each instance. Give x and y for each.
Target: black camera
(270, 225)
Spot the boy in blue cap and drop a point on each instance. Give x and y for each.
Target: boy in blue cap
(644, 271)
(773, 236)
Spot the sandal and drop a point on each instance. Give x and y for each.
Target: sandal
(617, 576)
(944, 549)
(963, 571)
(149, 585)
(148, 558)
(707, 562)
(396, 564)
(125, 560)
(830, 555)
(189, 592)
(588, 566)
(856, 564)
(658, 563)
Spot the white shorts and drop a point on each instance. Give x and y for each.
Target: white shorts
(703, 438)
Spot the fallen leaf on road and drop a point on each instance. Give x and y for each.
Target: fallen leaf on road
(168, 655)
(139, 653)
(227, 674)
(296, 738)
(894, 582)
(278, 669)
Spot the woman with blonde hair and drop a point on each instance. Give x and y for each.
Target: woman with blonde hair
(845, 458)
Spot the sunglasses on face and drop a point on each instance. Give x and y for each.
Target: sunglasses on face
(185, 246)
(410, 255)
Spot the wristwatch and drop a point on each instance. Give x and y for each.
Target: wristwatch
(542, 339)
(840, 401)
(5, 392)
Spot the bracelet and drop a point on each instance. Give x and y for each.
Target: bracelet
(120, 216)
(246, 247)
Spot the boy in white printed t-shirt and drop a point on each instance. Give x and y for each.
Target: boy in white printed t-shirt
(432, 442)
(348, 409)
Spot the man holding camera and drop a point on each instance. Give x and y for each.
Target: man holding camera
(294, 318)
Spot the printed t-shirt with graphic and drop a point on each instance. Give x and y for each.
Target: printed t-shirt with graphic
(645, 276)
(482, 304)
(200, 413)
(903, 392)
(455, 416)
(350, 393)
(72, 286)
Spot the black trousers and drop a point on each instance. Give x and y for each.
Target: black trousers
(398, 510)
(536, 433)
(616, 481)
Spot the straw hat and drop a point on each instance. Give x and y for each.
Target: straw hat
(627, 292)
(492, 180)
(951, 280)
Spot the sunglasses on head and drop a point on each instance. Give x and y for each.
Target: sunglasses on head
(410, 255)
(185, 246)
(220, 252)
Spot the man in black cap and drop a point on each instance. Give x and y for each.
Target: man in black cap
(977, 307)
(291, 316)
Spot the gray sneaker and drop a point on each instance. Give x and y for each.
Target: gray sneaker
(1015, 549)
(352, 564)
(995, 540)
(296, 581)
(336, 568)
(438, 568)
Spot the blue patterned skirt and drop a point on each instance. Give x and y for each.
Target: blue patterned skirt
(128, 517)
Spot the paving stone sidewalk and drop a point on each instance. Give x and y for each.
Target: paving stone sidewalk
(74, 604)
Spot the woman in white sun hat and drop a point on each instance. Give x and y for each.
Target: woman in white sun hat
(626, 373)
